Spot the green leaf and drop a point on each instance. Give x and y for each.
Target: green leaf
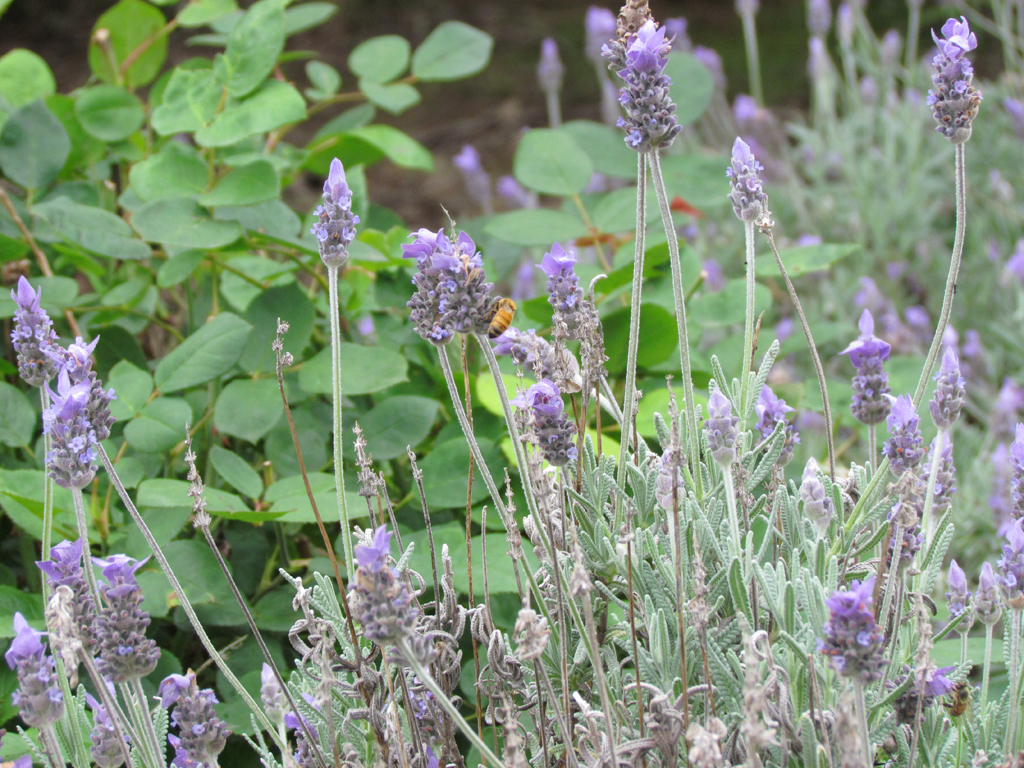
(605, 147)
(177, 170)
(356, 117)
(363, 370)
(33, 146)
(398, 147)
(380, 59)
(163, 492)
(288, 496)
(659, 336)
(446, 473)
(535, 226)
(685, 68)
(804, 259)
(616, 211)
(400, 421)
(244, 185)
(394, 98)
(325, 79)
(236, 472)
(133, 387)
(272, 105)
(177, 268)
(697, 178)
(248, 408)
(159, 426)
(239, 292)
(291, 304)
(206, 354)
(93, 228)
(24, 77)
(271, 217)
(727, 306)
(203, 12)
(129, 24)
(452, 51)
(189, 102)
(253, 47)
(306, 16)
(738, 591)
(109, 113)
(15, 601)
(17, 417)
(182, 222)
(551, 162)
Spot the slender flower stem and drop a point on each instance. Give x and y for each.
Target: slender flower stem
(933, 474)
(862, 719)
(51, 747)
(986, 667)
(183, 600)
(753, 58)
(913, 28)
(554, 110)
(1010, 745)
(146, 717)
(634, 331)
(610, 720)
(83, 532)
(873, 447)
(336, 396)
(736, 548)
(143, 743)
(44, 400)
(692, 436)
(117, 717)
(748, 330)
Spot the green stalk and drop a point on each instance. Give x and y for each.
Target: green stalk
(83, 532)
(336, 396)
(986, 667)
(736, 548)
(862, 719)
(748, 330)
(1010, 745)
(44, 399)
(753, 58)
(146, 717)
(933, 474)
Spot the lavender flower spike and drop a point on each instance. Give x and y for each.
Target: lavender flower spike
(650, 120)
(105, 750)
(949, 392)
(819, 17)
(556, 434)
(550, 70)
(1016, 458)
(771, 409)
(1012, 566)
(945, 478)
(70, 461)
(64, 569)
(747, 196)
(335, 228)
(599, 24)
(958, 596)
(817, 505)
(271, 695)
(202, 735)
(955, 100)
(478, 182)
(870, 382)
(32, 336)
(852, 638)
(934, 685)
(712, 63)
(77, 361)
(564, 292)
(124, 650)
(903, 448)
(38, 698)
(722, 429)
(987, 603)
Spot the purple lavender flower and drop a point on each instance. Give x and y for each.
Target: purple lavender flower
(949, 392)
(868, 90)
(38, 698)
(714, 275)
(124, 650)
(599, 24)
(747, 196)
(514, 193)
(958, 596)
(201, 734)
(771, 409)
(555, 433)
(817, 505)
(903, 448)
(70, 461)
(712, 63)
(1014, 267)
(987, 602)
(934, 685)
(852, 639)
(451, 293)
(32, 336)
(1015, 110)
(527, 350)
(954, 101)
(1011, 564)
(77, 361)
(478, 182)
(721, 428)
(304, 752)
(845, 24)
(335, 228)
(1016, 459)
(1007, 407)
(64, 568)
(819, 17)
(745, 110)
(1000, 499)
(945, 479)
(271, 695)
(550, 70)
(522, 288)
(105, 750)
(675, 31)
(890, 49)
(564, 292)
(784, 329)
(747, 7)
(382, 603)
(817, 58)
(870, 382)
(650, 119)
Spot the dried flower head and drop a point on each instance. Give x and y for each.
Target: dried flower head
(335, 228)
(32, 336)
(817, 505)
(64, 569)
(945, 477)
(531, 634)
(954, 100)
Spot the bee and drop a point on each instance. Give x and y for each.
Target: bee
(500, 317)
(961, 696)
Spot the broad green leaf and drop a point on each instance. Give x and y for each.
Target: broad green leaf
(552, 162)
(248, 408)
(398, 147)
(351, 150)
(535, 226)
(93, 228)
(658, 336)
(177, 170)
(289, 303)
(24, 77)
(271, 217)
(109, 112)
(129, 24)
(17, 417)
(244, 185)
(394, 98)
(539, 310)
(236, 472)
(159, 426)
(325, 79)
(272, 105)
(85, 150)
(697, 178)
(253, 47)
(356, 117)
(55, 293)
(446, 472)
(33, 146)
(27, 604)
(487, 392)
(203, 12)
(164, 492)
(178, 267)
(380, 59)
(289, 497)
(206, 354)
(189, 102)
(363, 370)
(299, 18)
(605, 147)
(240, 292)
(133, 387)
(400, 421)
(452, 51)
(727, 306)
(803, 259)
(616, 211)
(687, 72)
(182, 222)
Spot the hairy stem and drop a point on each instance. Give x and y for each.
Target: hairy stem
(336, 397)
(933, 474)
(748, 328)
(862, 719)
(753, 57)
(986, 667)
(83, 532)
